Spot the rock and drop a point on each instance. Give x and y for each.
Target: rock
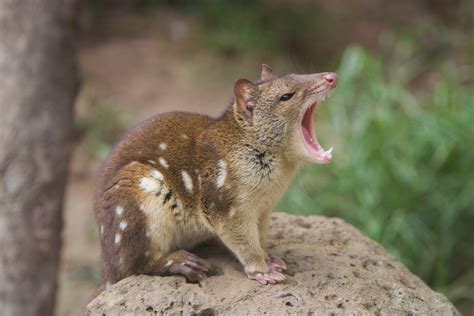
(332, 269)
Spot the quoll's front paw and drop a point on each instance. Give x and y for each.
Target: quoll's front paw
(276, 264)
(271, 277)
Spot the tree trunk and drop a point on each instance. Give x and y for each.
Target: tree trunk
(38, 86)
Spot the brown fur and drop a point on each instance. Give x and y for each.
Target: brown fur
(239, 165)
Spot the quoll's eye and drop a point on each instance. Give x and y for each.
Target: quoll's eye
(287, 96)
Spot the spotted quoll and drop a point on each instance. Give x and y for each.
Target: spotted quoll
(178, 179)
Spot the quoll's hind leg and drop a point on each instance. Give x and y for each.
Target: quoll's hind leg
(123, 221)
(181, 262)
(123, 234)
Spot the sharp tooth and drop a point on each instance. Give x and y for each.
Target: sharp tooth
(328, 152)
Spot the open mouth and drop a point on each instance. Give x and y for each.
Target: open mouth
(316, 151)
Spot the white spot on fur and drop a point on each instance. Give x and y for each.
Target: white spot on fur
(221, 174)
(164, 190)
(118, 237)
(232, 212)
(188, 182)
(147, 233)
(123, 225)
(163, 146)
(184, 136)
(101, 229)
(156, 174)
(147, 253)
(163, 162)
(117, 186)
(152, 162)
(149, 185)
(133, 163)
(170, 262)
(142, 207)
(119, 210)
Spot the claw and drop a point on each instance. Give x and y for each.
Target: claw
(191, 266)
(195, 265)
(276, 264)
(271, 277)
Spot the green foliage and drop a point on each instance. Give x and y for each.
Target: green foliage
(248, 26)
(402, 170)
(226, 32)
(100, 128)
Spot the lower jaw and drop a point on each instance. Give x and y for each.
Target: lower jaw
(321, 157)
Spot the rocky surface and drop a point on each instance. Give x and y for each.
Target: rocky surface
(333, 270)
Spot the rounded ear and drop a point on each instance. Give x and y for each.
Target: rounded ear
(267, 73)
(245, 97)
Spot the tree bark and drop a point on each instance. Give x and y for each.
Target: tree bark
(38, 85)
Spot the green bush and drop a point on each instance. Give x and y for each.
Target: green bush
(403, 169)
(249, 27)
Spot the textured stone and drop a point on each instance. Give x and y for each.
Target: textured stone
(332, 269)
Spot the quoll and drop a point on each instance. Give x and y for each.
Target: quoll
(178, 179)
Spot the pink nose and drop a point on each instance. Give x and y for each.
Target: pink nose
(331, 78)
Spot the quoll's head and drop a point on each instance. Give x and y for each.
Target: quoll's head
(278, 111)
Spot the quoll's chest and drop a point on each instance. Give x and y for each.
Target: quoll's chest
(263, 178)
